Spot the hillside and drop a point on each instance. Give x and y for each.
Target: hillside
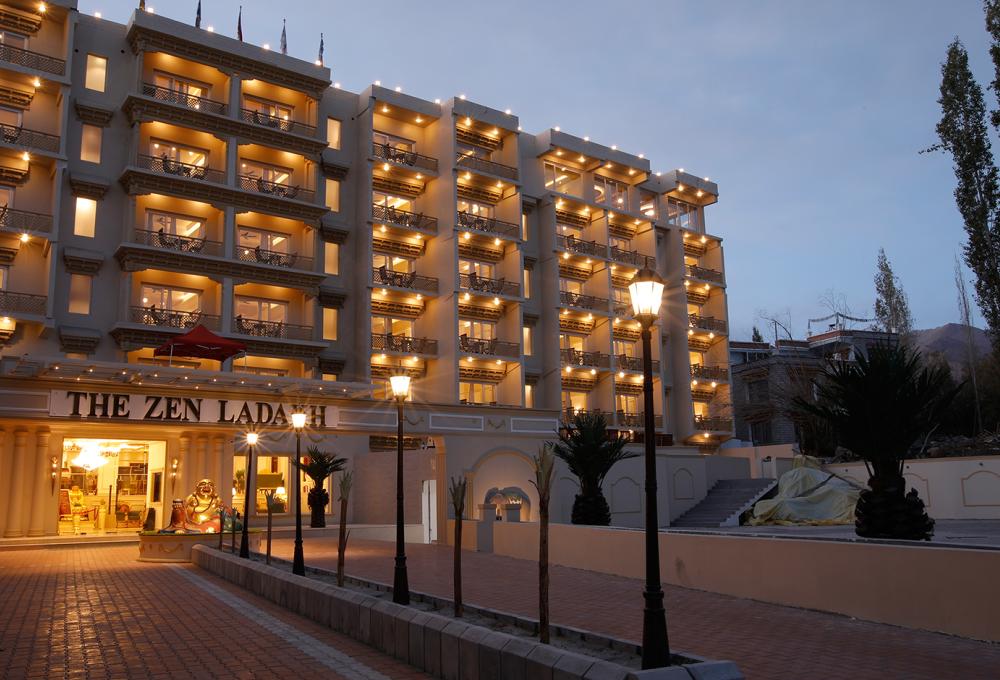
(950, 341)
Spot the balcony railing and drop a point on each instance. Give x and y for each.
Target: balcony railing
(387, 152)
(575, 245)
(258, 255)
(484, 284)
(32, 139)
(183, 244)
(635, 420)
(627, 363)
(276, 123)
(22, 303)
(483, 165)
(22, 220)
(403, 344)
(633, 258)
(583, 301)
(709, 372)
(707, 323)
(493, 348)
(488, 225)
(404, 218)
(188, 101)
(575, 357)
(263, 186)
(29, 59)
(713, 423)
(164, 165)
(383, 276)
(271, 329)
(165, 318)
(705, 274)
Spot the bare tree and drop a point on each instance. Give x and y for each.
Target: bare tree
(965, 311)
(544, 465)
(346, 480)
(456, 489)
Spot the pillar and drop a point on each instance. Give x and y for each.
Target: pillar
(16, 500)
(41, 483)
(201, 459)
(184, 461)
(235, 95)
(222, 476)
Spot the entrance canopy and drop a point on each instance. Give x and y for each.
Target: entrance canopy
(201, 343)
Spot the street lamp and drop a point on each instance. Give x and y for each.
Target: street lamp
(251, 438)
(646, 291)
(298, 561)
(400, 385)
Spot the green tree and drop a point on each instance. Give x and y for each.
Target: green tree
(320, 465)
(892, 309)
(756, 336)
(589, 452)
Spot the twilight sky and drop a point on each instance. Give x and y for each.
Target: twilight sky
(809, 115)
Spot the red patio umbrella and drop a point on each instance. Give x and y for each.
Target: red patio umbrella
(201, 343)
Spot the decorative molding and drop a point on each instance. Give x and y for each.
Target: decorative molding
(330, 167)
(332, 232)
(529, 262)
(8, 253)
(332, 365)
(18, 99)
(9, 175)
(530, 320)
(92, 114)
(82, 340)
(531, 379)
(534, 425)
(331, 298)
(79, 261)
(88, 187)
(18, 21)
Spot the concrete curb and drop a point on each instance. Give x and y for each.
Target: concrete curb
(441, 646)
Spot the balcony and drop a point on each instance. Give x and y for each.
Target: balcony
(632, 258)
(30, 139)
(490, 167)
(635, 420)
(583, 301)
(588, 248)
(24, 221)
(403, 344)
(713, 423)
(490, 348)
(488, 286)
(387, 152)
(704, 372)
(32, 60)
(704, 274)
(187, 101)
(182, 244)
(275, 123)
(258, 255)
(404, 218)
(22, 303)
(163, 318)
(575, 357)
(626, 363)
(263, 186)
(271, 329)
(707, 323)
(163, 165)
(488, 225)
(383, 276)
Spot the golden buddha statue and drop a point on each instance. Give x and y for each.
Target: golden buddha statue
(202, 509)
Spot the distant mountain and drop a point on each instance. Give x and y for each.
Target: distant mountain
(950, 340)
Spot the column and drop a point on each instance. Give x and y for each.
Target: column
(15, 503)
(226, 306)
(235, 95)
(217, 469)
(201, 459)
(183, 455)
(51, 520)
(41, 483)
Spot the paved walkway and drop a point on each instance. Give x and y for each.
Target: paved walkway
(767, 641)
(95, 612)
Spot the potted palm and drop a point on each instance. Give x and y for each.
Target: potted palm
(590, 453)
(878, 406)
(318, 466)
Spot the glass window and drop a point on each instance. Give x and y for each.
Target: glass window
(268, 173)
(97, 68)
(574, 401)
(573, 230)
(393, 263)
(331, 258)
(610, 192)
(627, 403)
(251, 238)
(384, 325)
(477, 209)
(559, 177)
(6, 197)
(85, 220)
(333, 195)
(174, 224)
(624, 347)
(11, 117)
(171, 299)
(571, 341)
(529, 396)
(268, 108)
(272, 475)
(333, 133)
(624, 244)
(480, 330)
(570, 286)
(647, 204)
(260, 309)
(14, 39)
(90, 144)
(621, 295)
(391, 141)
(477, 393)
(4, 277)
(177, 153)
(682, 214)
(329, 324)
(79, 293)
(527, 283)
(390, 201)
(483, 269)
(526, 337)
(180, 85)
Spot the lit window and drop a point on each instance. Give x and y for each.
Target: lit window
(79, 294)
(529, 397)
(526, 333)
(527, 283)
(333, 133)
(97, 70)
(329, 324)
(90, 144)
(331, 258)
(333, 195)
(86, 217)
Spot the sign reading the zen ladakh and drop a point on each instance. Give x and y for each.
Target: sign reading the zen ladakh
(157, 408)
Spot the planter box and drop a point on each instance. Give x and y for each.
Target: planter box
(177, 547)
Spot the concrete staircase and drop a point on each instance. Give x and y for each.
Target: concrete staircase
(725, 502)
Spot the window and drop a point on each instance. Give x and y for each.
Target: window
(682, 214)
(480, 330)
(392, 263)
(181, 86)
(174, 224)
(627, 404)
(624, 348)
(13, 39)
(97, 68)
(574, 402)
(524, 226)
(267, 173)
(6, 197)
(610, 192)
(529, 396)
(526, 338)
(171, 299)
(250, 238)
(477, 393)
(384, 139)
(331, 258)
(570, 286)
(169, 151)
(560, 178)
(480, 269)
(333, 133)
(272, 475)
(329, 324)
(527, 283)
(621, 295)
(267, 108)
(333, 195)
(647, 204)
(79, 294)
(90, 144)
(760, 433)
(390, 201)
(573, 230)
(261, 309)
(4, 277)
(571, 341)
(11, 117)
(385, 325)
(476, 209)
(622, 244)
(85, 221)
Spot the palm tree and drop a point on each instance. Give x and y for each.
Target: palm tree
(456, 489)
(544, 464)
(879, 406)
(346, 480)
(320, 465)
(585, 446)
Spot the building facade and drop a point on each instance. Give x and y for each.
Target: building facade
(156, 176)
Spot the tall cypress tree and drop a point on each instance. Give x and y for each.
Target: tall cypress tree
(892, 309)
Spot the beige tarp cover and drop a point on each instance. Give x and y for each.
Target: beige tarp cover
(808, 495)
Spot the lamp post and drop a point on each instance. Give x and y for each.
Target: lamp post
(400, 384)
(251, 438)
(646, 291)
(298, 561)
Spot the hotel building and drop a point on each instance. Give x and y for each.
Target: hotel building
(155, 176)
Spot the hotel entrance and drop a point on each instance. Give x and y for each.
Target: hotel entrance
(106, 486)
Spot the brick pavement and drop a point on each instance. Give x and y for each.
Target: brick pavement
(95, 612)
(766, 640)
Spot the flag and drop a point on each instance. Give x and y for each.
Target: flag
(197, 17)
(319, 59)
(239, 25)
(284, 38)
